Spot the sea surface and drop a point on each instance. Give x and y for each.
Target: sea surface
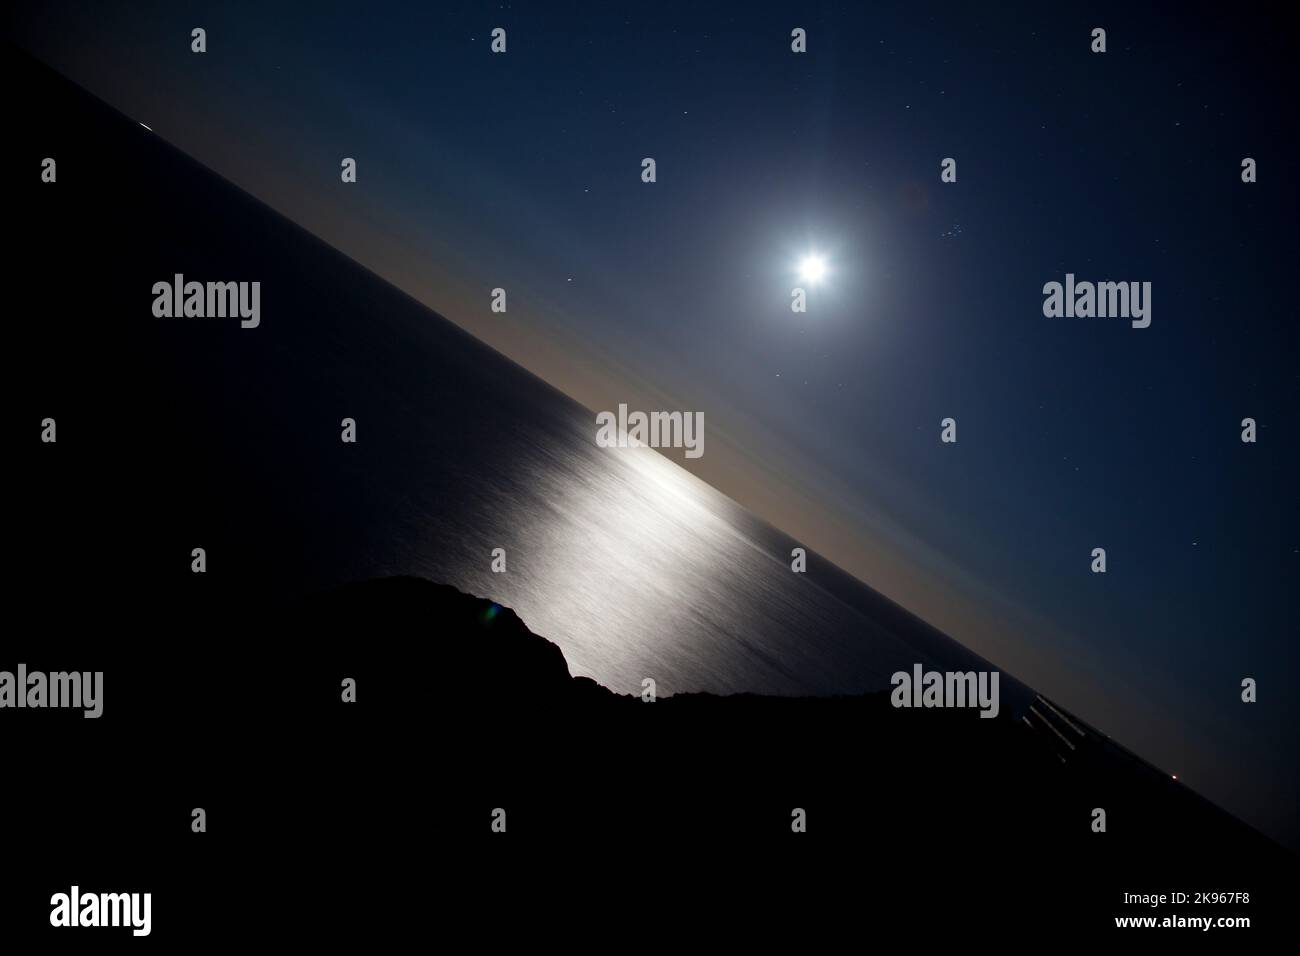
(632, 565)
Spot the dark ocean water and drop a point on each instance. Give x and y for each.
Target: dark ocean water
(632, 565)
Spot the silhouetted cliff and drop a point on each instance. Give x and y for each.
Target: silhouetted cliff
(571, 757)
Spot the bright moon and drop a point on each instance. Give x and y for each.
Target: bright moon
(812, 268)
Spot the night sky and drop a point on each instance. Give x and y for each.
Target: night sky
(523, 171)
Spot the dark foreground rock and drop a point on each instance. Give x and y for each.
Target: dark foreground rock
(498, 709)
